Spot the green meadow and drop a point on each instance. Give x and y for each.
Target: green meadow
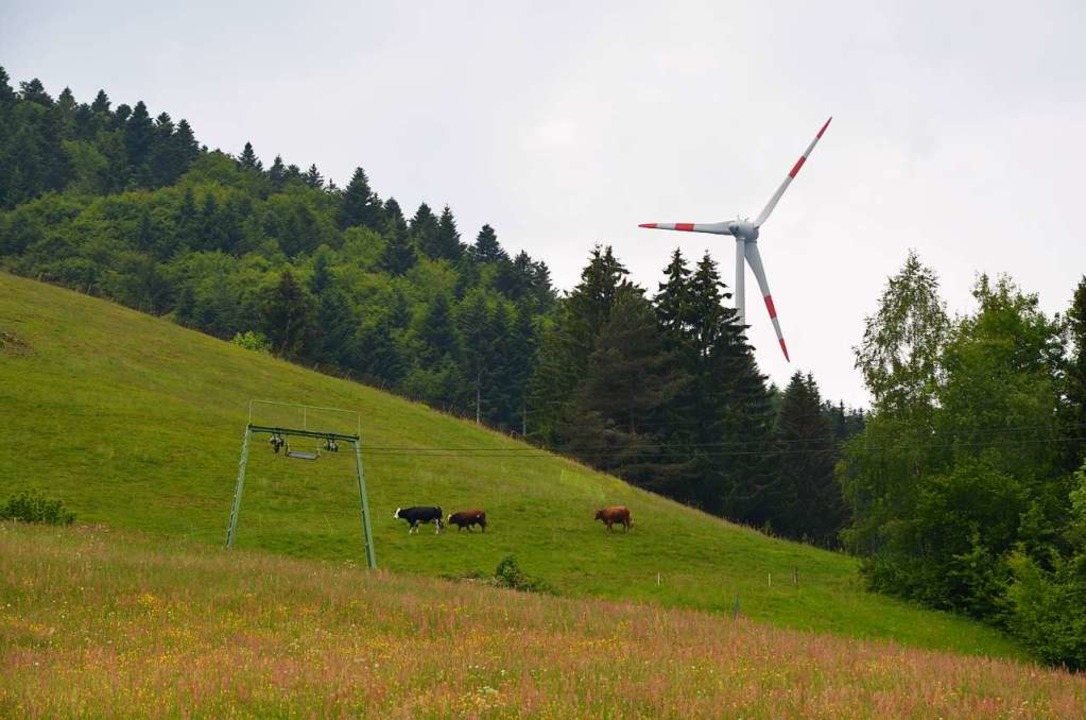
(137, 425)
(97, 622)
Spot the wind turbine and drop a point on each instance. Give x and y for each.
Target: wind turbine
(745, 233)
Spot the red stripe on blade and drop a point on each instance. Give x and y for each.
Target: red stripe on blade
(769, 306)
(688, 227)
(785, 350)
(824, 128)
(799, 164)
(647, 225)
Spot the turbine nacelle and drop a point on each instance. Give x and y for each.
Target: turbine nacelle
(743, 230)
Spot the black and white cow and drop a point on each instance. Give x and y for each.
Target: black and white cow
(420, 514)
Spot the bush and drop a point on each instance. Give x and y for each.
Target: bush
(1048, 614)
(34, 507)
(508, 574)
(252, 341)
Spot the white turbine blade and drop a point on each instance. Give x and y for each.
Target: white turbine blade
(764, 215)
(754, 259)
(714, 228)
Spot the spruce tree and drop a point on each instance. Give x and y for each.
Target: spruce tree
(486, 248)
(423, 230)
(809, 502)
(100, 106)
(34, 92)
(277, 173)
(139, 138)
(7, 94)
(399, 255)
(438, 332)
(477, 349)
(360, 206)
(394, 222)
(567, 345)
(313, 178)
(616, 411)
(287, 316)
(248, 159)
(447, 240)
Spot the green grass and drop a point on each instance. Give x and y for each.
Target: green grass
(137, 424)
(96, 622)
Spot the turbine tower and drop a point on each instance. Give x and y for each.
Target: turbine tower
(746, 243)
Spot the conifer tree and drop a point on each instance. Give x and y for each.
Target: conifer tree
(487, 248)
(616, 411)
(567, 345)
(423, 229)
(313, 178)
(277, 173)
(478, 355)
(287, 316)
(672, 301)
(399, 255)
(34, 92)
(360, 206)
(248, 159)
(7, 94)
(438, 332)
(809, 505)
(100, 106)
(447, 240)
(139, 138)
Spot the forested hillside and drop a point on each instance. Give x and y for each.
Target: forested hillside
(964, 487)
(661, 390)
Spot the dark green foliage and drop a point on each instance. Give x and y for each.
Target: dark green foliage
(1073, 410)
(360, 205)
(509, 575)
(423, 230)
(33, 506)
(399, 255)
(288, 317)
(447, 239)
(248, 159)
(959, 483)
(487, 249)
(1048, 613)
(616, 411)
(811, 505)
(845, 422)
(313, 177)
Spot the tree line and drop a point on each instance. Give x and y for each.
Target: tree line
(967, 485)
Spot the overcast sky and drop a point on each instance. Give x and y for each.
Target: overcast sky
(958, 129)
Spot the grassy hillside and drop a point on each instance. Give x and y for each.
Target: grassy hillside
(96, 622)
(137, 424)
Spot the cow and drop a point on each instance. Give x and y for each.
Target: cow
(420, 514)
(616, 514)
(467, 518)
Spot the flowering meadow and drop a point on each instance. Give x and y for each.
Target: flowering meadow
(100, 623)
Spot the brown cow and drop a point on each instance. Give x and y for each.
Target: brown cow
(467, 518)
(619, 514)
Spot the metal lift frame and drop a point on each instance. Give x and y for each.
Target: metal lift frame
(355, 441)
